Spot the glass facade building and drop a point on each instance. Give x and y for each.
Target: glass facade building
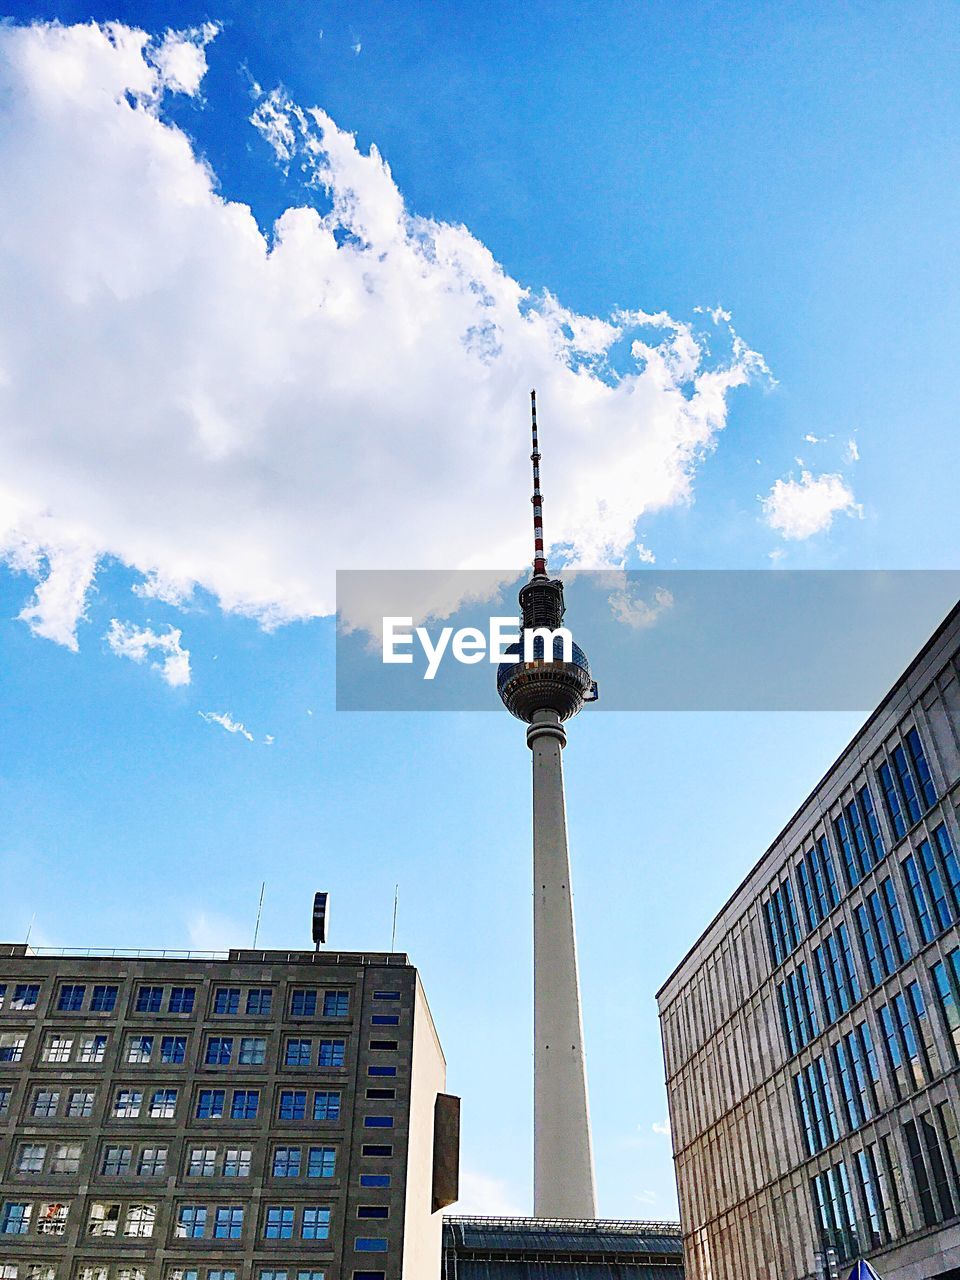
(812, 1035)
(264, 1115)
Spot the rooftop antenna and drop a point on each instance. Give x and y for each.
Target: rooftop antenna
(26, 941)
(396, 899)
(539, 560)
(256, 930)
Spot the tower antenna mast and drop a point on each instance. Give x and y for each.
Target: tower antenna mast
(539, 559)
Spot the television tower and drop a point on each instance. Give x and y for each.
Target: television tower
(545, 694)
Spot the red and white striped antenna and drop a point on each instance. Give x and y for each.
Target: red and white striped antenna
(539, 560)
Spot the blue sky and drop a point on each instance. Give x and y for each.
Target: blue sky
(797, 169)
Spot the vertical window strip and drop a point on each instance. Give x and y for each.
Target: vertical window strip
(826, 858)
(869, 811)
(919, 898)
(934, 883)
(908, 789)
(950, 866)
(891, 800)
(921, 768)
(851, 863)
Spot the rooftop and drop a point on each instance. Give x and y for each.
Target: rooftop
(236, 955)
(486, 1248)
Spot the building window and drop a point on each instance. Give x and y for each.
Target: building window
(783, 927)
(891, 800)
(5, 1100)
(326, 1104)
(31, 1157)
(815, 1105)
(253, 1051)
(245, 1104)
(332, 1053)
(228, 1222)
(836, 973)
(906, 1041)
(58, 1048)
(80, 1104)
(929, 1170)
(11, 1047)
(219, 1051)
(370, 1244)
(946, 980)
(849, 852)
(375, 1179)
(386, 995)
(882, 934)
(191, 1222)
(52, 1219)
(316, 1223)
(336, 1004)
(25, 995)
(127, 1104)
(298, 1053)
(381, 1071)
(104, 999)
(389, 1045)
(373, 1211)
(278, 1223)
(71, 998)
(66, 1158)
(210, 1104)
(92, 1050)
(796, 1008)
(381, 1093)
(922, 770)
(153, 1162)
(226, 1000)
(259, 1001)
(378, 1122)
(835, 1212)
(202, 1162)
(950, 865)
(376, 1149)
(173, 1049)
(322, 1162)
(181, 999)
(46, 1103)
(116, 1162)
(15, 1218)
(303, 1002)
(286, 1162)
(140, 1221)
(104, 1219)
(149, 999)
(163, 1104)
(908, 790)
(236, 1162)
(293, 1104)
(139, 1049)
(385, 1020)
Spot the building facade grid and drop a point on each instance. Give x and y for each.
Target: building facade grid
(811, 1037)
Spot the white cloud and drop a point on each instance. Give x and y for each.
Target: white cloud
(853, 450)
(213, 406)
(226, 721)
(482, 1194)
(644, 554)
(662, 1128)
(812, 439)
(797, 509)
(633, 611)
(141, 643)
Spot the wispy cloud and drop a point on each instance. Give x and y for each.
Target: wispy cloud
(226, 721)
(797, 509)
(162, 649)
(634, 611)
(853, 450)
(661, 1127)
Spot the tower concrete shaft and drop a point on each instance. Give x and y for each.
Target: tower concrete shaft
(563, 1151)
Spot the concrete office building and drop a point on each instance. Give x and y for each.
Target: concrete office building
(811, 1036)
(267, 1115)
(567, 1249)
